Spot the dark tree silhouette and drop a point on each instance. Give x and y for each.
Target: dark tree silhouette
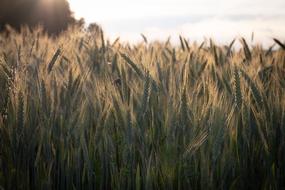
(53, 15)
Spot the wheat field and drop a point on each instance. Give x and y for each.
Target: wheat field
(81, 112)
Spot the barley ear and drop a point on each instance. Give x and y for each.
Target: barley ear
(237, 89)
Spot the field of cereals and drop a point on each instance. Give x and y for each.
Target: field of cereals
(81, 112)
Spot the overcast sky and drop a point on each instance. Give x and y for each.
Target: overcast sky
(195, 19)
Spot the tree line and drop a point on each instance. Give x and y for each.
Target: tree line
(53, 15)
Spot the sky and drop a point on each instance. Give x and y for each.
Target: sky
(196, 20)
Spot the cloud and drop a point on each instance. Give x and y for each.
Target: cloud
(117, 10)
(221, 29)
(195, 19)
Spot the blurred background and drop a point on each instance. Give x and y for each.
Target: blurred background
(221, 20)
